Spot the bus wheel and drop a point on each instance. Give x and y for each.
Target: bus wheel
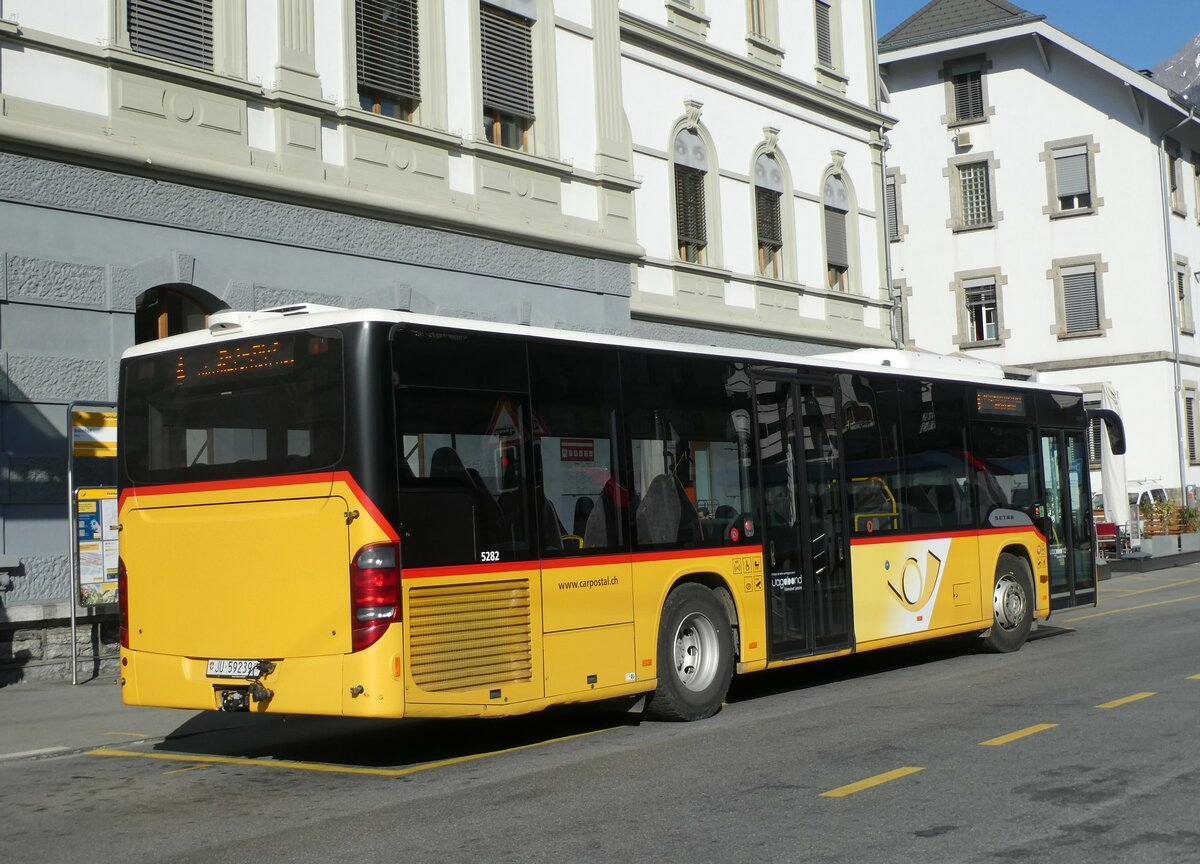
(1012, 605)
(695, 656)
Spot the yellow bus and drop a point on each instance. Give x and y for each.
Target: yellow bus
(380, 514)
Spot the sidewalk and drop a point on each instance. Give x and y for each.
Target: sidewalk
(43, 717)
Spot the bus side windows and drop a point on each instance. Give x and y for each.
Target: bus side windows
(581, 498)
(935, 491)
(689, 421)
(870, 440)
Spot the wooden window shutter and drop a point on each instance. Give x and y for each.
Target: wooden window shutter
(507, 52)
(689, 212)
(968, 95)
(177, 30)
(388, 54)
(891, 213)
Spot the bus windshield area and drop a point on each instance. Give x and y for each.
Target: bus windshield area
(272, 405)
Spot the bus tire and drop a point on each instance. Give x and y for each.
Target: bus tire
(1012, 605)
(695, 656)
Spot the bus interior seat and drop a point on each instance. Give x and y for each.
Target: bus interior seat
(583, 509)
(659, 514)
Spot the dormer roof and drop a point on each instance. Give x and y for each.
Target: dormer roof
(943, 19)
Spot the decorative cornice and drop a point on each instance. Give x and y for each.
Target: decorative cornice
(708, 58)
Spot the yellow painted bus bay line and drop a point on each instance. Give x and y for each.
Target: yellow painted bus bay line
(333, 769)
(1125, 700)
(1132, 608)
(1194, 677)
(1015, 736)
(870, 782)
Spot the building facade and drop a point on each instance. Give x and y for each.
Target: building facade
(1043, 214)
(707, 172)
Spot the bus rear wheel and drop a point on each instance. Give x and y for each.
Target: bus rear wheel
(695, 656)
(1012, 605)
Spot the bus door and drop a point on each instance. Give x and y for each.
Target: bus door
(802, 493)
(1068, 519)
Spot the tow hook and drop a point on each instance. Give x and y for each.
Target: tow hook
(256, 691)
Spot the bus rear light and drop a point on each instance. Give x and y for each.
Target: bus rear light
(122, 604)
(374, 593)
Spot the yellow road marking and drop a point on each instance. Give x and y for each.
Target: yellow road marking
(334, 769)
(1117, 703)
(1132, 608)
(1194, 677)
(1020, 733)
(188, 768)
(1129, 592)
(877, 780)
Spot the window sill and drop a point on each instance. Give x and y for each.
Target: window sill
(959, 122)
(967, 229)
(687, 20)
(518, 157)
(132, 59)
(1179, 210)
(831, 78)
(1081, 334)
(702, 269)
(1068, 214)
(396, 125)
(983, 343)
(9, 28)
(763, 50)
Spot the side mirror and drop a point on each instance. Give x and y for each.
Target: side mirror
(1112, 423)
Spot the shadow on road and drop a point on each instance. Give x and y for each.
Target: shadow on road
(379, 743)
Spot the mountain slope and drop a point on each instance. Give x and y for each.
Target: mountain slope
(1181, 71)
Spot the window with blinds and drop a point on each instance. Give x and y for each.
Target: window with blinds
(690, 225)
(982, 310)
(836, 199)
(176, 30)
(506, 53)
(824, 22)
(891, 208)
(1074, 186)
(1081, 306)
(1189, 422)
(1175, 174)
(388, 62)
(770, 231)
(1184, 299)
(975, 194)
(968, 94)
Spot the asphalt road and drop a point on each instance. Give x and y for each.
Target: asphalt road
(1082, 747)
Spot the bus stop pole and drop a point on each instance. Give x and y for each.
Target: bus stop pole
(73, 546)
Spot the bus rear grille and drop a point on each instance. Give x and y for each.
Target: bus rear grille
(466, 637)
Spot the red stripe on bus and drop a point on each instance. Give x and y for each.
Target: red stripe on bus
(579, 561)
(905, 538)
(329, 477)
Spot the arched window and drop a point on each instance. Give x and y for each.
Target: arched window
(768, 195)
(691, 167)
(170, 310)
(837, 251)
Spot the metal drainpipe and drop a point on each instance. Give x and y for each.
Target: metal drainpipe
(1172, 300)
(897, 332)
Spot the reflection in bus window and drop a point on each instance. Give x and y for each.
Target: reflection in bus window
(1005, 468)
(690, 429)
(870, 438)
(582, 501)
(935, 492)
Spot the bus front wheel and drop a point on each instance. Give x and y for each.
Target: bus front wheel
(1012, 605)
(695, 656)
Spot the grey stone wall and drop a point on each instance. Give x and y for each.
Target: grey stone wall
(41, 650)
(79, 244)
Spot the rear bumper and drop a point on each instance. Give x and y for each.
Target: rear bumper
(328, 685)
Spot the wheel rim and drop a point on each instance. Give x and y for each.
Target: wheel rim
(1009, 602)
(697, 652)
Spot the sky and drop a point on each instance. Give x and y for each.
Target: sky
(1139, 33)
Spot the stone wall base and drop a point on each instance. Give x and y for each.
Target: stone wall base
(40, 650)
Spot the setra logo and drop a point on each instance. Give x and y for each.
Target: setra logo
(915, 587)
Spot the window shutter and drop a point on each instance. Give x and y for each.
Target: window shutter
(891, 214)
(1190, 425)
(1181, 285)
(824, 35)
(689, 211)
(507, 52)
(1080, 304)
(835, 238)
(1071, 171)
(388, 56)
(178, 30)
(769, 218)
(968, 95)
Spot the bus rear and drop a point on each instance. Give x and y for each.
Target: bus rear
(256, 571)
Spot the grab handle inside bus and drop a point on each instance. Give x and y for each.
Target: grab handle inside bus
(1116, 429)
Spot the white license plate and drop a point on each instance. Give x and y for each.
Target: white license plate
(232, 668)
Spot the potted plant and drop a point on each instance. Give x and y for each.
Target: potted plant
(1189, 524)
(1162, 542)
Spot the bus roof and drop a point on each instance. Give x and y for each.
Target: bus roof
(230, 325)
